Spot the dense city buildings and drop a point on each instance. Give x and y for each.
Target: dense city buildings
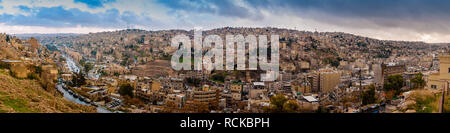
(318, 71)
(130, 71)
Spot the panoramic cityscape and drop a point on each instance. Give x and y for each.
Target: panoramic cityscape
(121, 56)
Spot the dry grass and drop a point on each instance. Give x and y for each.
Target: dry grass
(427, 101)
(27, 96)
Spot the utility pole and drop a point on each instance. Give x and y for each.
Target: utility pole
(304, 83)
(360, 86)
(360, 79)
(442, 101)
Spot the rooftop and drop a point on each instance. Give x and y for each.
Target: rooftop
(258, 83)
(310, 99)
(11, 61)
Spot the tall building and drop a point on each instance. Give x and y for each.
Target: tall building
(329, 80)
(205, 94)
(382, 71)
(315, 78)
(378, 80)
(98, 55)
(325, 80)
(34, 43)
(437, 80)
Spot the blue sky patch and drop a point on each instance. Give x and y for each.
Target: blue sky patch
(94, 3)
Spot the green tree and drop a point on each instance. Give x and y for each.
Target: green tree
(277, 102)
(368, 96)
(291, 106)
(281, 104)
(394, 83)
(82, 62)
(94, 53)
(418, 81)
(126, 90)
(78, 79)
(8, 39)
(193, 81)
(220, 77)
(88, 67)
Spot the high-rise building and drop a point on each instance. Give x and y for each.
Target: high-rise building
(329, 80)
(325, 80)
(383, 71)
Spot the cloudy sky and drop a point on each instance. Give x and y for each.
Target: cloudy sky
(411, 20)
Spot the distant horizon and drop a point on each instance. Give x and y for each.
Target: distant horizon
(420, 20)
(30, 34)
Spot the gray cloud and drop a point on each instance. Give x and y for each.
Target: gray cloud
(60, 17)
(226, 8)
(429, 16)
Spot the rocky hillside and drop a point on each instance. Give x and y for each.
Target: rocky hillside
(27, 96)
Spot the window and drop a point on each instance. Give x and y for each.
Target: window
(433, 86)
